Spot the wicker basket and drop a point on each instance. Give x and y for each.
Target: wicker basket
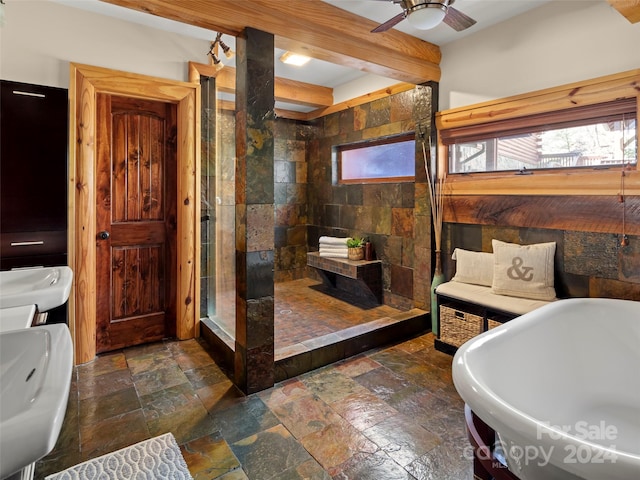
(492, 324)
(496, 320)
(355, 253)
(458, 326)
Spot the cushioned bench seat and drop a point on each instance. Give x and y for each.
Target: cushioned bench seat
(481, 295)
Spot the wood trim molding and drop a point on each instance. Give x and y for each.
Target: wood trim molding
(630, 9)
(561, 182)
(588, 92)
(361, 100)
(575, 182)
(85, 82)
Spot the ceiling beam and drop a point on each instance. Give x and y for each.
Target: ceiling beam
(630, 9)
(313, 28)
(285, 90)
(197, 70)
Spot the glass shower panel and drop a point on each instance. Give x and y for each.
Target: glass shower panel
(218, 210)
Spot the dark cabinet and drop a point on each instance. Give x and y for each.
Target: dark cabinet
(33, 176)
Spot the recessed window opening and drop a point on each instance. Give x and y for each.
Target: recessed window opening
(596, 137)
(391, 159)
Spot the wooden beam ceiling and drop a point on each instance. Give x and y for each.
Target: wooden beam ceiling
(313, 28)
(630, 9)
(285, 90)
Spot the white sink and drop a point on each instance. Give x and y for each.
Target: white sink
(47, 287)
(35, 375)
(560, 386)
(16, 318)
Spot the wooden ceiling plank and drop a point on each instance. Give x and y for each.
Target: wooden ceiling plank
(630, 9)
(319, 30)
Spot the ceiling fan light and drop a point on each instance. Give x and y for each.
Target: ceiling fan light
(296, 59)
(427, 16)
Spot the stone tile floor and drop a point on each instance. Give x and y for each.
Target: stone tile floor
(391, 413)
(298, 300)
(332, 310)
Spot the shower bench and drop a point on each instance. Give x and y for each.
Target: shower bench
(362, 278)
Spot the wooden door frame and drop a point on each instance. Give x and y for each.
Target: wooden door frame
(85, 82)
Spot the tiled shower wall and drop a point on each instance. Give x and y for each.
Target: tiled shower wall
(290, 257)
(308, 204)
(393, 216)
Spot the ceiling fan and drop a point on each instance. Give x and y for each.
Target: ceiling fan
(425, 14)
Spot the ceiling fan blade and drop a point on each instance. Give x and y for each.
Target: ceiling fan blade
(383, 27)
(458, 20)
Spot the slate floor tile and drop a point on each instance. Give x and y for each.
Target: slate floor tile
(386, 414)
(269, 453)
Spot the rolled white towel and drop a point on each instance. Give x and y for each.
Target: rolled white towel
(333, 241)
(334, 255)
(334, 249)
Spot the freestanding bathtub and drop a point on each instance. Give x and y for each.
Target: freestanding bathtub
(561, 387)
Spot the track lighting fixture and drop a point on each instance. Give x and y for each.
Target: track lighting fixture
(213, 50)
(225, 48)
(212, 53)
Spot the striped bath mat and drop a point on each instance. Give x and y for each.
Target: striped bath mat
(156, 458)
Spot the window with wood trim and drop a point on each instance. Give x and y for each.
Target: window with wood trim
(576, 104)
(595, 136)
(390, 159)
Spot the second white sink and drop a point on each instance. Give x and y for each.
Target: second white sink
(47, 287)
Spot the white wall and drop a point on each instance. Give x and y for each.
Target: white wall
(40, 38)
(561, 42)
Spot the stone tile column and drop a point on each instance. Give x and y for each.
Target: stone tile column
(255, 118)
(424, 108)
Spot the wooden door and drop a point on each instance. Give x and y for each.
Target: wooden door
(135, 221)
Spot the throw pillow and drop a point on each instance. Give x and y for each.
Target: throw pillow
(473, 267)
(524, 270)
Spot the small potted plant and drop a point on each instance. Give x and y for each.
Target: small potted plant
(356, 248)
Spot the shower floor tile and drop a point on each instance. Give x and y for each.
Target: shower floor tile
(305, 309)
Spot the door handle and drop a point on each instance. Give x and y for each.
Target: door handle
(103, 235)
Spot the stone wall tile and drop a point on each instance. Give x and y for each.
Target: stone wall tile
(301, 172)
(504, 234)
(384, 130)
(360, 114)
(331, 125)
(379, 112)
(296, 151)
(284, 172)
(630, 260)
(402, 281)
(393, 250)
(260, 234)
(402, 222)
(296, 193)
(381, 220)
(609, 288)
(591, 254)
(363, 219)
(401, 107)
(408, 254)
